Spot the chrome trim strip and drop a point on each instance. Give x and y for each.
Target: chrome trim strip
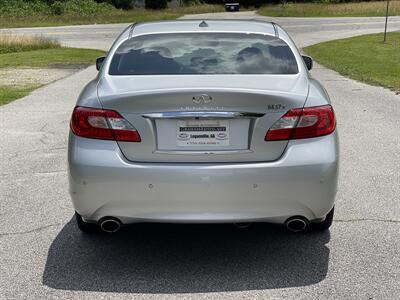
(202, 152)
(202, 115)
(275, 29)
(131, 30)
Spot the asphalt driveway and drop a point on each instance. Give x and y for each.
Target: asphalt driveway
(43, 255)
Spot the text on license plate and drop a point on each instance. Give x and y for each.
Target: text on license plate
(203, 133)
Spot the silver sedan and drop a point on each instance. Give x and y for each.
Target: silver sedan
(203, 122)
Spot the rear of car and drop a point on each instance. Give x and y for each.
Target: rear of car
(215, 121)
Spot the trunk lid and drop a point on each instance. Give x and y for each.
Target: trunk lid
(178, 117)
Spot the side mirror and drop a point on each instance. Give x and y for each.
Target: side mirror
(308, 61)
(99, 62)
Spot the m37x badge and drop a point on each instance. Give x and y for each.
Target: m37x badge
(278, 106)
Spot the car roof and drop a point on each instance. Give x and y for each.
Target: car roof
(247, 26)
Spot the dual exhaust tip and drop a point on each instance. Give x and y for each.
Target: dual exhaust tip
(296, 224)
(293, 224)
(110, 224)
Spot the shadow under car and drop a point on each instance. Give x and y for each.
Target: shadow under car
(167, 258)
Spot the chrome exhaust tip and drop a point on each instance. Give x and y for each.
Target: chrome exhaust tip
(296, 224)
(110, 225)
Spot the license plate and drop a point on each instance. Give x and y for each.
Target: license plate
(202, 133)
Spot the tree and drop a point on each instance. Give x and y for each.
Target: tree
(156, 4)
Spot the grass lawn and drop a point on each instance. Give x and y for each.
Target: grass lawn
(10, 93)
(37, 52)
(361, 9)
(365, 58)
(105, 16)
(59, 57)
(17, 43)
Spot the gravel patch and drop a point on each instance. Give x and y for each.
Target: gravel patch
(34, 76)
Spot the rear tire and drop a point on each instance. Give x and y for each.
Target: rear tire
(84, 226)
(324, 225)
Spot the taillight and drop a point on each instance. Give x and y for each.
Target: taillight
(301, 123)
(102, 124)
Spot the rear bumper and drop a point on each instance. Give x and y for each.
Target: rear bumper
(302, 182)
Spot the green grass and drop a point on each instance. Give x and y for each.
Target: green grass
(37, 52)
(103, 16)
(355, 9)
(365, 58)
(10, 93)
(59, 57)
(10, 43)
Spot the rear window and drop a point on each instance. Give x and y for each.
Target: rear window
(203, 53)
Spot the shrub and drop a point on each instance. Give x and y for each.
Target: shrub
(192, 2)
(156, 4)
(124, 4)
(57, 8)
(21, 8)
(83, 7)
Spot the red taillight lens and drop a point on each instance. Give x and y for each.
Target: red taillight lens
(301, 123)
(102, 124)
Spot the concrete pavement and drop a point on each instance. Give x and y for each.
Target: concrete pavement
(43, 255)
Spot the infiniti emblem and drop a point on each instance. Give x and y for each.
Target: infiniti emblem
(202, 99)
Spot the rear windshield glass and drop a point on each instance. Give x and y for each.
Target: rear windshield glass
(203, 53)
